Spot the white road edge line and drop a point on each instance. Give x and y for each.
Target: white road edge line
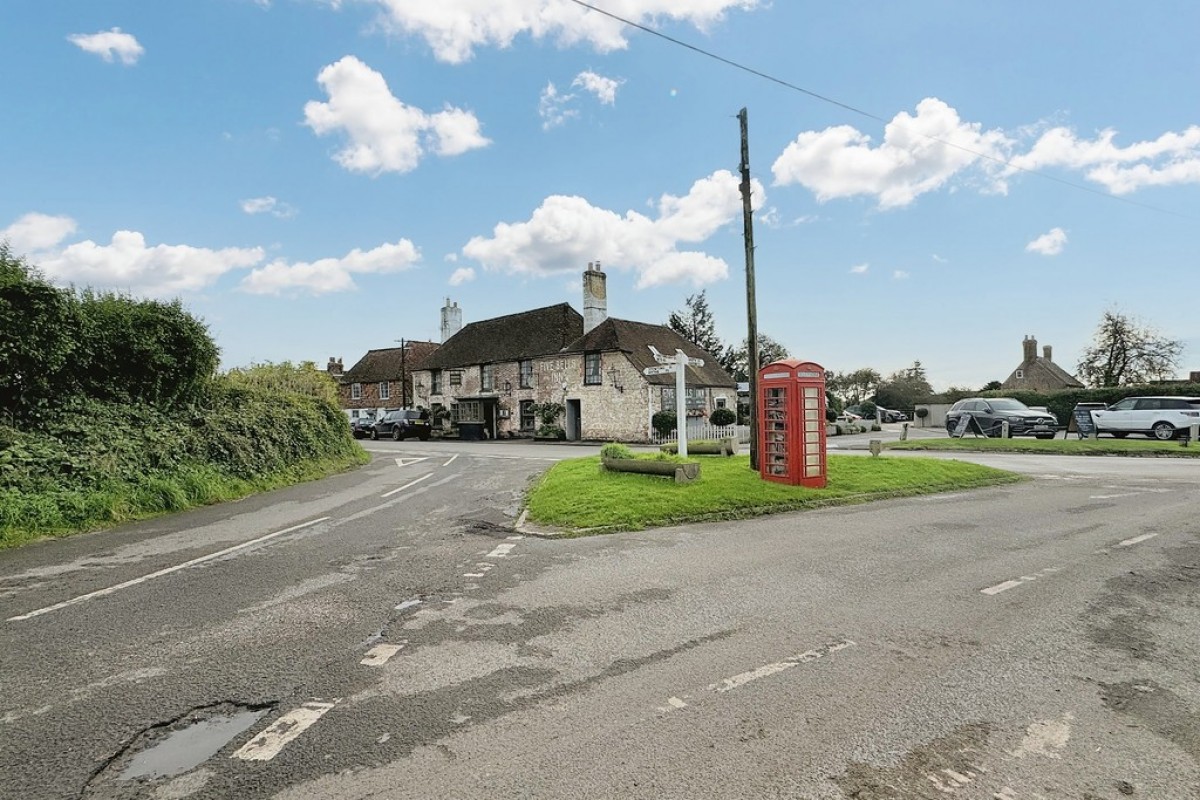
(407, 485)
(1136, 540)
(380, 654)
(162, 572)
(267, 744)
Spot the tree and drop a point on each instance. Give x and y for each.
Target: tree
(695, 323)
(737, 360)
(303, 378)
(854, 387)
(992, 386)
(1124, 351)
(904, 389)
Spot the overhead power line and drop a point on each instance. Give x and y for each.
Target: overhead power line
(867, 114)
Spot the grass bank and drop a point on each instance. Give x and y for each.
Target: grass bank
(581, 497)
(1068, 447)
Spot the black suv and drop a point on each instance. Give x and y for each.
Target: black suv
(403, 423)
(990, 414)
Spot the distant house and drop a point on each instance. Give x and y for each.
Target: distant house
(1039, 373)
(494, 376)
(382, 378)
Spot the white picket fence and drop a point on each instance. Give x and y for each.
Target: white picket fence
(703, 430)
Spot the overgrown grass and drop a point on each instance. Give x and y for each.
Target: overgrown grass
(1071, 447)
(580, 496)
(26, 516)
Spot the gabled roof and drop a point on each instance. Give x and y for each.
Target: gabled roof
(634, 339)
(540, 332)
(1051, 375)
(389, 363)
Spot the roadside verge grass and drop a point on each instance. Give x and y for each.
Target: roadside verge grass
(581, 497)
(1068, 447)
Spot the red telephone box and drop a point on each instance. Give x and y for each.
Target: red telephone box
(791, 423)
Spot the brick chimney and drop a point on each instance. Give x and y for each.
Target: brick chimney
(1046, 351)
(595, 297)
(451, 320)
(334, 367)
(1030, 345)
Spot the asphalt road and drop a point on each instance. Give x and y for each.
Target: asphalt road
(388, 633)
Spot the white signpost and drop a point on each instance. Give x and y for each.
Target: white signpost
(676, 363)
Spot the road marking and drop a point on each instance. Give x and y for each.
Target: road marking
(1114, 496)
(407, 485)
(1001, 587)
(380, 654)
(160, 573)
(1136, 540)
(409, 604)
(267, 744)
(729, 684)
(1046, 738)
(405, 462)
(451, 461)
(501, 551)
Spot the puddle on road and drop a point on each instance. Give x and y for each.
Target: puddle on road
(189, 747)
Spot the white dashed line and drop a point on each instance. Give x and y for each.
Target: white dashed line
(380, 654)
(501, 551)
(407, 485)
(1004, 587)
(451, 461)
(1136, 540)
(160, 573)
(729, 684)
(1001, 587)
(267, 744)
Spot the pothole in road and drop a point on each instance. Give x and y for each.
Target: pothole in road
(178, 746)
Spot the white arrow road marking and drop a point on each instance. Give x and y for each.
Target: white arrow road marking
(162, 572)
(267, 744)
(451, 461)
(404, 462)
(407, 485)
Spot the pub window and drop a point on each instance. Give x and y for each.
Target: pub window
(385, 390)
(435, 381)
(467, 411)
(456, 377)
(527, 417)
(356, 391)
(526, 374)
(591, 369)
(487, 378)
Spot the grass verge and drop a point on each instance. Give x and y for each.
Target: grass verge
(1069, 447)
(27, 516)
(581, 497)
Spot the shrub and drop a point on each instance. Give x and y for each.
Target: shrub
(722, 417)
(551, 432)
(830, 415)
(616, 450)
(663, 422)
(922, 412)
(868, 409)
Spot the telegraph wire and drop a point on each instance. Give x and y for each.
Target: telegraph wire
(831, 101)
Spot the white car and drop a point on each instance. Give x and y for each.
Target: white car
(1163, 418)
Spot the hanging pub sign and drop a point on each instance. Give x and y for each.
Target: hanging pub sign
(791, 430)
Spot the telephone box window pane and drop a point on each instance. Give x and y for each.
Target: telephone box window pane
(812, 472)
(810, 391)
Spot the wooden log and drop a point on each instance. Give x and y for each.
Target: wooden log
(685, 472)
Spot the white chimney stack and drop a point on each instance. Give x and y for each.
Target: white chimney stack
(451, 320)
(595, 297)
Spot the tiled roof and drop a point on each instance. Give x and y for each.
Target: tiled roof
(540, 332)
(635, 338)
(388, 364)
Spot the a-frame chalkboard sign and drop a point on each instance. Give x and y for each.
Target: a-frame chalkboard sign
(967, 422)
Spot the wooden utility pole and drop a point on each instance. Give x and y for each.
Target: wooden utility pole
(403, 373)
(751, 303)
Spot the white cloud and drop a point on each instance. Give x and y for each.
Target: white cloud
(1172, 158)
(860, 269)
(604, 88)
(552, 107)
(939, 259)
(1048, 244)
(331, 274)
(566, 232)
(454, 28)
(900, 275)
(268, 205)
(109, 45)
(385, 135)
(36, 232)
(840, 161)
(462, 275)
(126, 263)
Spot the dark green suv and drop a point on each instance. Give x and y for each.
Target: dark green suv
(403, 423)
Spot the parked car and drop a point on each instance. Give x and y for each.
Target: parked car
(403, 423)
(892, 415)
(1163, 418)
(990, 414)
(360, 427)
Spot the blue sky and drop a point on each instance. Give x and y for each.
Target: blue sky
(313, 177)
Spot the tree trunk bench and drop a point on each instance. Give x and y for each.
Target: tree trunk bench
(683, 473)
